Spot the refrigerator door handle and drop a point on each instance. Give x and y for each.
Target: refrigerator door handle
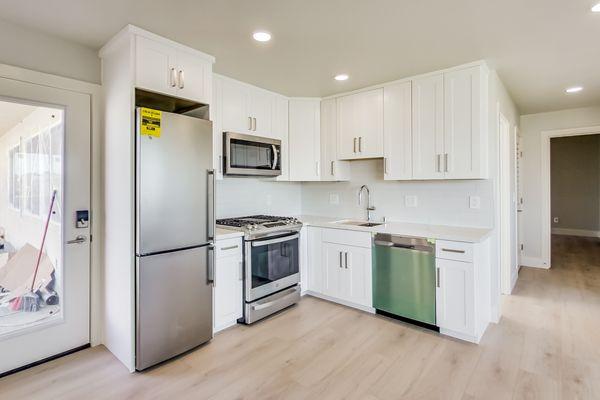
(211, 220)
(211, 278)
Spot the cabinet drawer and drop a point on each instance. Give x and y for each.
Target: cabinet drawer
(458, 251)
(347, 237)
(229, 248)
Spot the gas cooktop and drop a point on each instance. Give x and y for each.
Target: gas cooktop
(260, 225)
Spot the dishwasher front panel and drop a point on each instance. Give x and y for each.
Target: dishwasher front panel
(404, 282)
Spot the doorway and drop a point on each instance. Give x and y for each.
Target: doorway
(44, 222)
(547, 221)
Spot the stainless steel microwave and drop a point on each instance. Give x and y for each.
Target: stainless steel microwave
(251, 155)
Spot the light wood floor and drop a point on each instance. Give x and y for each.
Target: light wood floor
(547, 346)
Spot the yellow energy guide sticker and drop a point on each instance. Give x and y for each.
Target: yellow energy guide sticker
(151, 122)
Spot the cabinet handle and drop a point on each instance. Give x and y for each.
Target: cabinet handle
(437, 277)
(446, 162)
(360, 144)
(249, 123)
(355, 145)
(181, 79)
(332, 172)
(437, 168)
(454, 251)
(341, 259)
(229, 247)
(346, 259)
(172, 78)
(318, 168)
(254, 124)
(385, 165)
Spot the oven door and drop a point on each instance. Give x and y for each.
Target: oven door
(272, 264)
(251, 155)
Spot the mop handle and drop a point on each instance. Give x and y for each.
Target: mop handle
(39, 258)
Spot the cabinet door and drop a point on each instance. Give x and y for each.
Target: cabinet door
(332, 169)
(304, 139)
(428, 127)
(156, 67)
(464, 128)
(194, 77)
(369, 123)
(356, 277)
(260, 108)
(332, 265)
(216, 116)
(397, 106)
(227, 291)
(455, 296)
(314, 266)
(347, 139)
(234, 106)
(279, 126)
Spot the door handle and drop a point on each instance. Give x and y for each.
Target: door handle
(341, 259)
(332, 172)
(385, 165)
(249, 123)
(172, 78)
(360, 144)
(438, 163)
(355, 145)
(180, 79)
(446, 162)
(210, 273)
(346, 259)
(437, 277)
(210, 210)
(79, 239)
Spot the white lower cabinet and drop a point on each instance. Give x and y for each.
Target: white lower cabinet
(228, 290)
(340, 272)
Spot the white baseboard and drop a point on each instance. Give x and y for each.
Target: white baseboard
(534, 262)
(575, 232)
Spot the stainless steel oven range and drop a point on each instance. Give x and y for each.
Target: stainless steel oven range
(271, 263)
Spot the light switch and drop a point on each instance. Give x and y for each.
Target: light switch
(474, 202)
(410, 201)
(334, 199)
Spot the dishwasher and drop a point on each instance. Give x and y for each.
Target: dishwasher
(404, 280)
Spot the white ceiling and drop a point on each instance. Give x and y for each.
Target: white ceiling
(11, 114)
(538, 47)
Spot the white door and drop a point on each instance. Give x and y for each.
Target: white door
(455, 296)
(331, 168)
(194, 77)
(397, 126)
(304, 140)
(228, 293)
(45, 147)
(261, 105)
(333, 263)
(347, 139)
(369, 123)
(234, 107)
(356, 276)
(156, 67)
(428, 127)
(462, 124)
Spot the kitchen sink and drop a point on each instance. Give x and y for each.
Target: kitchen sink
(358, 223)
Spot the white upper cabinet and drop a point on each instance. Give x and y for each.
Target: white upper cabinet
(428, 127)
(279, 124)
(397, 131)
(168, 68)
(304, 139)
(360, 125)
(332, 169)
(465, 124)
(260, 110)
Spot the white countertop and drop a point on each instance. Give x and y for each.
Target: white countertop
(442, 232)
(223, 234)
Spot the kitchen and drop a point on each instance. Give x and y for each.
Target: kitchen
(250, 242)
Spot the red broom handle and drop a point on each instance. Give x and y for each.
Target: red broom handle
(39, 258)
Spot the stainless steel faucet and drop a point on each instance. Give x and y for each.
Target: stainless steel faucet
(369, 206)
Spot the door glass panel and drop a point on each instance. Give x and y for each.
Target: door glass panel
(274, 261)
(252, 155)
(31, 173)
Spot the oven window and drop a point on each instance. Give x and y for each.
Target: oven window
(251, 155)
(274, 261)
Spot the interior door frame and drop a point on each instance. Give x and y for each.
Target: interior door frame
(96, 211)
(546, 206)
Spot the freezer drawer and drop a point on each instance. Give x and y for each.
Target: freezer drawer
(404, 278)
(174, 304)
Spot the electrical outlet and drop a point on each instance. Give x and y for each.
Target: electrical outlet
(474, 202)
(410, 201)
(555, 220)
(334, 199)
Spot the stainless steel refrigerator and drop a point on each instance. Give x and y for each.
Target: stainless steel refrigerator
(175, 225)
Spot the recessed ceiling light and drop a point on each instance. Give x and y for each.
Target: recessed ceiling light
(261, 36)
(596, 8)
(341, 77)
(574, 89)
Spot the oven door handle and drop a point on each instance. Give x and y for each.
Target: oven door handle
(257, 307)
(278, 240)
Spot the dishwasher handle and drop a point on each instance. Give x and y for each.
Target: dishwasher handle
(392, 244)
(402, 242)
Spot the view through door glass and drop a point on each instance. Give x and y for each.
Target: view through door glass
(31, 171)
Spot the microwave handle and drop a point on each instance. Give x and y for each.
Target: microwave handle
(275, 157)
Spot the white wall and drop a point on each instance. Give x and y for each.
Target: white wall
(45, 53)
(246, 196)
(531, 127)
